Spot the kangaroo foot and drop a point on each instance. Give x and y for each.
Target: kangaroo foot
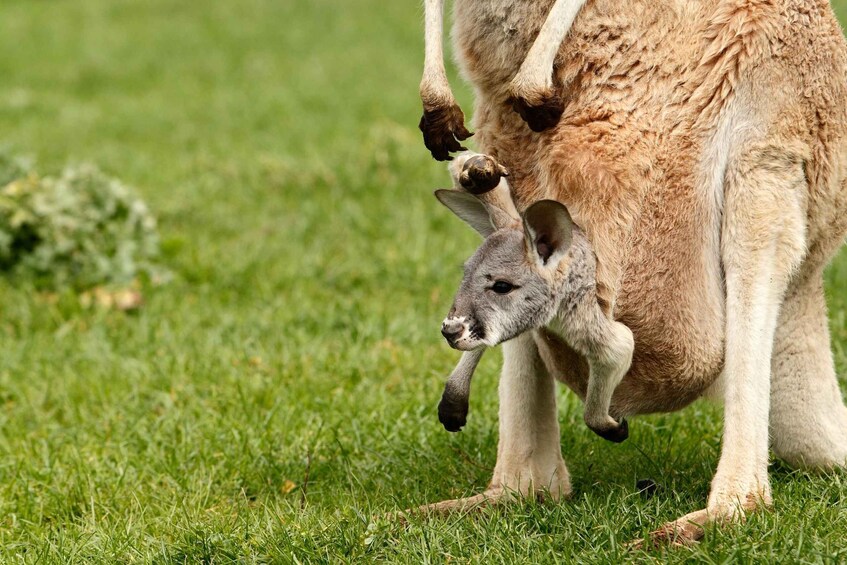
(489, 498)
(616, 433)
(685, 531)
(481, 174)
(728, 503)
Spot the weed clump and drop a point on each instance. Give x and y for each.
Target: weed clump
(79, 230)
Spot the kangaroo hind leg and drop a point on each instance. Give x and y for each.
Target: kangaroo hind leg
(762, 245)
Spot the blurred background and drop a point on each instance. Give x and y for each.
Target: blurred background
(277, 389)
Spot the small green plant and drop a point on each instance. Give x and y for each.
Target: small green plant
(11, 167)
(79, 230)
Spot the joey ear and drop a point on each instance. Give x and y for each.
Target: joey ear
(548, 228)
(468, 208)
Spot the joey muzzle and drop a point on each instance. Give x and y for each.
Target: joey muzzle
(452, 329)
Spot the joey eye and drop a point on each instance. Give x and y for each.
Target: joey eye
(502, 287)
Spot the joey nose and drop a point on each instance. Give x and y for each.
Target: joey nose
(452, 329)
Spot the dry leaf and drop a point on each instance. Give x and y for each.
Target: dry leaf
(124, 300)
(128, 299)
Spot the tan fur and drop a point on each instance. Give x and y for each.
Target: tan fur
(700, 139)
(627, 156)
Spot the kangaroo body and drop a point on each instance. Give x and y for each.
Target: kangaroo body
(702, 148)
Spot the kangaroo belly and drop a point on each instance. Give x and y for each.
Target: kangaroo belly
(654, 222)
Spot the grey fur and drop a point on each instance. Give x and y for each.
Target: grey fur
(453, 408)
(551, 265)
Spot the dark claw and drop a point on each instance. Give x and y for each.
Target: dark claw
(481, 174)
(617, 434)
(453, 412)
(443, 128)
(541, 117)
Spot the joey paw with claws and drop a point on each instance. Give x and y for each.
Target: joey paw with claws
(481, 174)
(615, 434)
(453, 412)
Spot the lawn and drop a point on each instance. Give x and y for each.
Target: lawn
(280, 392)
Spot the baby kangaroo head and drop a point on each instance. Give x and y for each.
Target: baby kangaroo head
(511, 284)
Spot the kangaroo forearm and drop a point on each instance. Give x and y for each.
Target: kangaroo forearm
(459, 382)
(537, 69)
(453, 408)
(434, 88)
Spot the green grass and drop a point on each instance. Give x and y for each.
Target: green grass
(282, 391)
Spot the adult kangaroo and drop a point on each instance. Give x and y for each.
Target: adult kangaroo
(703, 149)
